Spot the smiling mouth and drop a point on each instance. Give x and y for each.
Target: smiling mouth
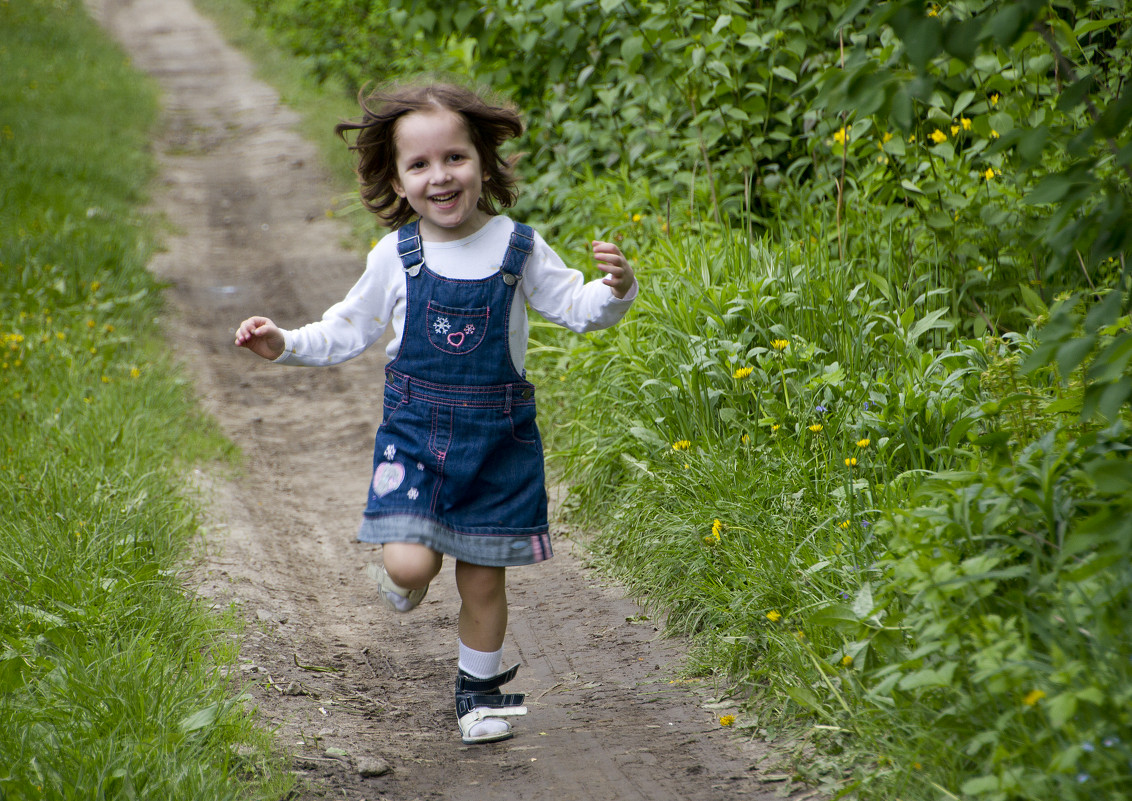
(444, 198)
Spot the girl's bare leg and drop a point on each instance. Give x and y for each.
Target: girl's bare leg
(483, 611)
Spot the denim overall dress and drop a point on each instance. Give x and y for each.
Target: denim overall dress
(458, 460)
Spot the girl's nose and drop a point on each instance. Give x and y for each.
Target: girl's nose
(439, 174)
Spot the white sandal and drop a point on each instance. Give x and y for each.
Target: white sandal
(395, 597)
(478, 700)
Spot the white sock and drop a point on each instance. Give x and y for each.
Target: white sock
(483, 665)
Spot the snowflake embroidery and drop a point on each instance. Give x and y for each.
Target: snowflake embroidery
(420, 466)
(441, 325)
(390, 452)
(413, 494)
(469, 329)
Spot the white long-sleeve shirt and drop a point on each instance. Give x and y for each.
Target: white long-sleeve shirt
(558, 293)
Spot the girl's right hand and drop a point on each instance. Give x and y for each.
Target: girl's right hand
(261, 336)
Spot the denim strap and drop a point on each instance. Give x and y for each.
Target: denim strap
(409, 247)
(519, 249)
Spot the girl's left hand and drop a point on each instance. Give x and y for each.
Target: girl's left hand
(612, 261)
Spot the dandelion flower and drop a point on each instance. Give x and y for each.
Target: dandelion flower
(774, 616)
(816, 427)
(727, 720)
(846, 660)
(1033, 697)
(636, 218)
(864, 443)
(742, 372)
(939, 137)
(780, 344)
(681, 445)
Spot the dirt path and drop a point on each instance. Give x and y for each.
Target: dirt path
(248, 199)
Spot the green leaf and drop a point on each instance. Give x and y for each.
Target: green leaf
(631, 50)
(201, 719)
(1050, 189)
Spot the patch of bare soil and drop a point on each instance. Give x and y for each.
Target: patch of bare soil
(363, 697)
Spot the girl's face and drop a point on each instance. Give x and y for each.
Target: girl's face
(439, 173)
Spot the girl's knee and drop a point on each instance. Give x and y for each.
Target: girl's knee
(410, 565)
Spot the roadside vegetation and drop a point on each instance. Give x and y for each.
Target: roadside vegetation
(113, 675)
(865, 435)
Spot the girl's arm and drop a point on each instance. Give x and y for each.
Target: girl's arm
(561, 294)
(346, 329)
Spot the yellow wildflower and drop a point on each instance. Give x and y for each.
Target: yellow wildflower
(799, 635)
(993, 134)
(742, 372)
(134, 372)
(886, 138)
(966, 123)
(1033, 697)
(636, 218)
(842, 136)
(105, 379)
(939, 137)
(95, 286)
(775, 427)
(844, 524)
(727, 720)
(774, 616)
(846, 660)
(744, 439)
(933, 12)
(994, 98)
(90, 323)
(851, 461)
(681, 445)
(816, 427)
(863, 443)
(989, 174)
(780, 344)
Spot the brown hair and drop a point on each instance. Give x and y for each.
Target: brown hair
(489, 125)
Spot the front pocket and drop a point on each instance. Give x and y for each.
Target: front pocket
(457, 331)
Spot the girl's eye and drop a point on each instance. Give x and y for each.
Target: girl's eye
(456, 157)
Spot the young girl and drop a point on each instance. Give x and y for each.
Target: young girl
(458, 463)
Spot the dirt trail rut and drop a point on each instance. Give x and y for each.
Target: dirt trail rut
(247, 197)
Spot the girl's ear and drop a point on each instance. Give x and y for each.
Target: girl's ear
(397, 187)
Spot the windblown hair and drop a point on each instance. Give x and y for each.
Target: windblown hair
(489, 126)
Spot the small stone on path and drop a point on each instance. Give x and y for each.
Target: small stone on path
(373, 766)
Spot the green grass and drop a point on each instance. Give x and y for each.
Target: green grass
(111, 672)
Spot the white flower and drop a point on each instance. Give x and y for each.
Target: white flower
(441, 325)
(390, 452)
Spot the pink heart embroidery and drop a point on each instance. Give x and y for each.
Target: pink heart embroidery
(388, 477)
(456, 339)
